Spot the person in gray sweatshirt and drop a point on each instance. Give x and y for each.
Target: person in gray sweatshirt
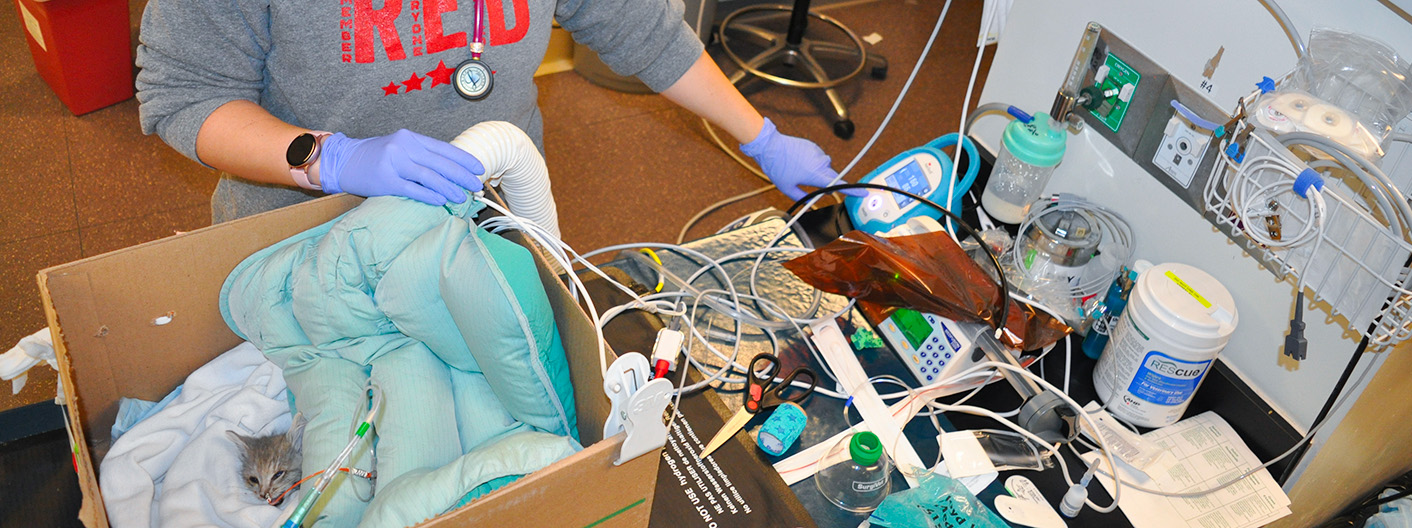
(296, 98)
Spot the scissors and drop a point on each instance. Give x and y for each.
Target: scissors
(761, 395)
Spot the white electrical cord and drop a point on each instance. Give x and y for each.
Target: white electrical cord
(1252, 201)
(961, 129)
(1294, 36)
(681, 236)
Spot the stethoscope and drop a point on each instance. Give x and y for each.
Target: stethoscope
(473, 79)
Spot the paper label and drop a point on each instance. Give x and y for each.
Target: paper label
(963, 454)
(1189, 290)
(1124, 444)
(1165, 380)
(32, 25)
(950, 339)
(864, 486)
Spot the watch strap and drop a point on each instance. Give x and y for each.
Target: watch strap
(301, 173)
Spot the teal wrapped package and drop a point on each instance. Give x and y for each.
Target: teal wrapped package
(781, 429)
(938, 501)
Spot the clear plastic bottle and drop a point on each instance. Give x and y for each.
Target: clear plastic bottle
(1029, 151)
(860, 483)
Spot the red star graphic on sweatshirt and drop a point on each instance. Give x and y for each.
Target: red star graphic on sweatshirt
(390, 89)
(413, 83)
(441, 75)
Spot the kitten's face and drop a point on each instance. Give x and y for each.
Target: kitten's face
(269, 465)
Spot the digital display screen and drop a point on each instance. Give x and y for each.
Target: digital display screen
(914, 326)
(908, 178)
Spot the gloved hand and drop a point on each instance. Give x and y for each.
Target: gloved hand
(790, 162)
(403, 163)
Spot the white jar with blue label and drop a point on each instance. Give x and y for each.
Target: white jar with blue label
(1177, 321)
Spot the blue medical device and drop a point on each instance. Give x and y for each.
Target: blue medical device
(924, 171)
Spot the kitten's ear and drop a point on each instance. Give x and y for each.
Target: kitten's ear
(240, 441)
(295, 435)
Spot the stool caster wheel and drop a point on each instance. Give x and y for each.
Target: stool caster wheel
(879, 72)
(843, 129)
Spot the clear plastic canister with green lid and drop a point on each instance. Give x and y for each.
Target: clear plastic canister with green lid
(861, 481)
(1029, 152)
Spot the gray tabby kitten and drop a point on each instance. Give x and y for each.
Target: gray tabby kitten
(269, 465)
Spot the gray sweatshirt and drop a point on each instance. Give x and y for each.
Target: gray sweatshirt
(370, 67)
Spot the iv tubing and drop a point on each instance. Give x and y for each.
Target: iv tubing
(297, 518)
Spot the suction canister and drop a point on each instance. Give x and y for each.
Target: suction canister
(1029, 152)
(1177, 321)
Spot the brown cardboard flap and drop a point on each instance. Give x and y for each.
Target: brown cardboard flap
(581, 346)
(580, 491)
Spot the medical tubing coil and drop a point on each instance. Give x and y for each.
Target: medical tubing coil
(513, 163)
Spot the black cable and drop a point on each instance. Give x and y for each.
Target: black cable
(1338, 387)
(1355, 515)
(1000, 272)
(1387, 499)
(1328, 406)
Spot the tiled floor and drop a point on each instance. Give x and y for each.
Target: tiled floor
(72, 187)
(625, 167)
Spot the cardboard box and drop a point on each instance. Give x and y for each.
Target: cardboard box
(101, 312)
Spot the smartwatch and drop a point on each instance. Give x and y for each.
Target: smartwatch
(303, 151)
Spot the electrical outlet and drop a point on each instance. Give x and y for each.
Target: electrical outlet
(1181, 150)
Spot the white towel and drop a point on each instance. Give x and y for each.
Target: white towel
(32, 350)
(178, 468)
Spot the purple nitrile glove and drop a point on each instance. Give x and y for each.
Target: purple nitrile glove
(403, 163)
(790, 162)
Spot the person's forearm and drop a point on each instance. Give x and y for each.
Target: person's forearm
(706, 92)
(243, 139)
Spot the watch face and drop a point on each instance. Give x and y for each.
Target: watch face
(300, 150)
(472, 79)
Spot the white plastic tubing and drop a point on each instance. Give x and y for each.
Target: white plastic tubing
(514, 164)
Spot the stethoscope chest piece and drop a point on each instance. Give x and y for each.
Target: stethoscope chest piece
(473, 80)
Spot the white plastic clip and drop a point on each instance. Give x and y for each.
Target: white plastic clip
(1025, 513)
(646, 431)
(625, 376)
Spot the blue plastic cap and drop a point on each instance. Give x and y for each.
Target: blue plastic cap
(1233, 151)
(1019, 114)
(1266, 85)
(1308, 178)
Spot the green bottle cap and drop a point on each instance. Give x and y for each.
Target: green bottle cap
(865, 448)
(1039, 142)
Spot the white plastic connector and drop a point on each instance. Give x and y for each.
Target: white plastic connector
(665, 351)
(1073, 501)
(1126, 93)
(1101, 75)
